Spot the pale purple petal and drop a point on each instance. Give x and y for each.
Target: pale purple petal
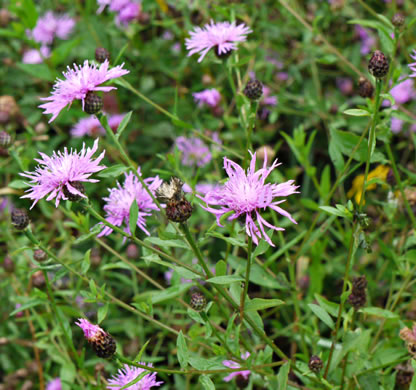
(129, 373)
(209, 97)
(194, 151)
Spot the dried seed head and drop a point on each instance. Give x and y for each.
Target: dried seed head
(365, 88)
(20, 219)
(93, 103)
(378, 65)
(398, 19)
(315, 363)
(39, 255)
(253, 89)
(179, 210)
(102, 54)
(74, 197)
(170, 191)
(5, 139)
(198, 301)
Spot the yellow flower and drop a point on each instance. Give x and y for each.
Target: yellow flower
(356, 190)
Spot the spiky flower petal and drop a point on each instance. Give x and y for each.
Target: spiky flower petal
(128, 374)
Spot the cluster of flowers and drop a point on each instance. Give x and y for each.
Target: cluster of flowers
(126, 10)
(48, 27)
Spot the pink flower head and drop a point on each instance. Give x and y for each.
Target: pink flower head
(247, 193)
(55, 174)
(121, 198)
(102, 4)
(233, 364)
(50, 25)
(77, 83)
(128, 374)
(128, 13)
(91, 126)
(222, 35)
(209, 97)
(91, 332)
(267, 98)
(194, 151)
(396, 125)
(34, 56)
(403, 92)
(367, 40)
(54, 384)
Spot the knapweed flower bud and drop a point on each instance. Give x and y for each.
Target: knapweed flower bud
(102, 54)
(409, 335)
(378, 65)
(74, 197)
(5, 139)
(359, 284)
(315, 363)
(253, 89)
(93, 103)
(404, 374)
(179, 211)
(358, 297)
(20, 219)
(198, 301)
(242, 381)
(8, 264)
(398, 19)
(40, 255)
(365, 88)
(101, 342)
(38, 279)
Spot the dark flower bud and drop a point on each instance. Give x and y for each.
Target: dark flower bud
(365, 88)
(198, 301)
(102, 54)
(359, 283)
(253, 89)
(404, 374)
(8, 264)
(357, 301)
(20, 219)
(93, 103)
(5, 139)
(315, 363)
(179, 211)
(241, 381)
(40, 255)
(38, 279)
(398, 19)
(74, 197)
(378, 65)
(196, 17)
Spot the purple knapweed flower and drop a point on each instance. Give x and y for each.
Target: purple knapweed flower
(91, 331)
(396, 125)
(210, 97)
(267, 98)
(128, 374)
(50, 26)
(403, 92)
(222, 36)
(121, 198)
(194, 151)
(232, 364)
(128, 13)
(55, 175)
(35, 56)
(77, 83)
(54, 384)
(367, 41)
(91, 126)
(247, 193)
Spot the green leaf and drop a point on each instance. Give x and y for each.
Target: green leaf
(102, 313)
(18, 184)
(27, 305)
(85, 265)
(134, 215)
(283, 376)
(93, 287)
(123, 124)
(206, 382)
(39, 71)
(378, 312)
(220, 268)
(138, 357)
(331, 307)
(183, 354)
(261, 304)
(113, 171)
(356, 112)
(166, 243)
(169, 293)
(227, 279)
(322, 314)
(230, 240)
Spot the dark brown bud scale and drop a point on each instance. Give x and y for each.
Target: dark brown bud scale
(103, 344)
(198, 301)
(315, 363)
(102, 54)
(404, 374)
(365, 88)
(253, 89)
(359, 283)
(179, 211)
(40, 255)
(357, 301)
(93, 103)
(74, 197)
(20, 219)
(398, 19)
(378, 65)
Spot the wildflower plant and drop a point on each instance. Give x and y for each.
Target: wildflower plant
(194, 258)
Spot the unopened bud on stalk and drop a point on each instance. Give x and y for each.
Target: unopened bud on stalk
(365, 88)
(378, 65)
(315, 363)
(102, 54)
(20, 219)
(253, 90)
(198, 301)
(398, 19)
(93, 103)
(40, 255)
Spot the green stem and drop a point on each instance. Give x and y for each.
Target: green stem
(247, 278)
(341, 304)
(345, 363)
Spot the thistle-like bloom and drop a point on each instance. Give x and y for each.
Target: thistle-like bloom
(232, 364)
(246, 194)
(209, 97)
(55, 176)
(91, 126)
(34, 56)
(194, 151)
(403, 92)
(121, 198)
(77, 83)
(222, 36)
(52, 25)
(54, 384)
(128, 374)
